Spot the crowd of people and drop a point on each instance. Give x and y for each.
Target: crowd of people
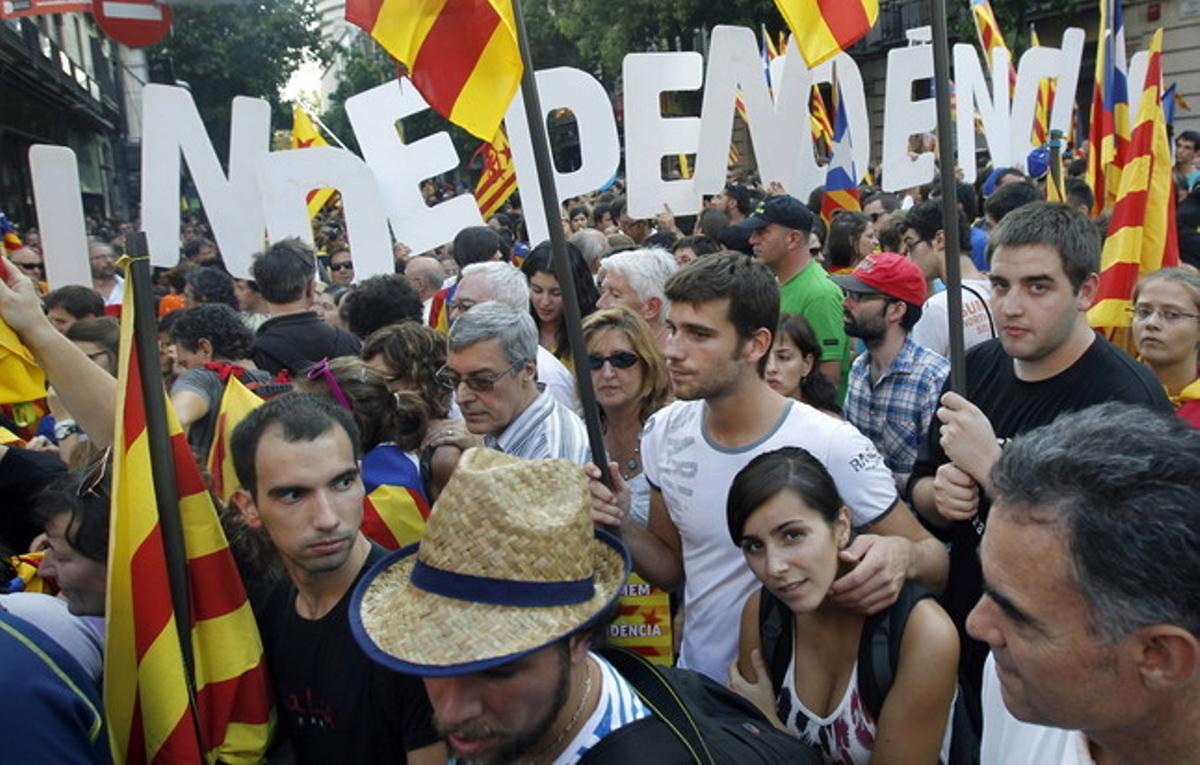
(866, 565)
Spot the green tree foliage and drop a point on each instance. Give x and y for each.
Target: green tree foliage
(223, 51)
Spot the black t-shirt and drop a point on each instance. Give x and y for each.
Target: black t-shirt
(295, 341)
(1103, 373)
(335, 704)
(23, 474)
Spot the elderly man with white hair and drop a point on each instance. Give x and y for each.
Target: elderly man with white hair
(504, 283)
(635, 280)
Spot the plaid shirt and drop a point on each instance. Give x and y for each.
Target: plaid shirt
(894, 411)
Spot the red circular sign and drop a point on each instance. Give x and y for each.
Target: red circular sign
(136, 23)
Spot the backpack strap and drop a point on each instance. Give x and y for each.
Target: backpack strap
(879, 647)
(986, 309)
(775, 636)
(653, 689)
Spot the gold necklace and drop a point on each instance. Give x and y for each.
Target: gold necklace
(587, 691)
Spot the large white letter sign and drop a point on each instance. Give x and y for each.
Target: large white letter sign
(288, 176)
(972, 91)
(649, 137)
(400, 168)
(734, 62)
(1068, 79)
(56, 195)
(903, 117)
(171, 124)
(1036, 64)
(599, 146)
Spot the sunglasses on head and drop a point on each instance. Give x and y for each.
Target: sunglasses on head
(619, 360)
(345, 265)
(93, 476)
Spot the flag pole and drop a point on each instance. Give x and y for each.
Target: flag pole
(949, 184)
(162, 459)
(558, 246)
(1056, 144)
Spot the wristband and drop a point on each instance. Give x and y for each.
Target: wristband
(66, 428)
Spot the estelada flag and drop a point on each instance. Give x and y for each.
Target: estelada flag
(304, 135)
(1108, 132)
(394, 509)
(841, 179)
(825, 28)
(499, 179)
(1141, 235)
(146, 699)
(461, 54)
(236, 403)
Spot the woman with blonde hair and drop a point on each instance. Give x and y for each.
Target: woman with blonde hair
(1166, 330)
(629, 375)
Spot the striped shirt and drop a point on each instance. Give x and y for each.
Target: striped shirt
(545, 430)
(894, 411)
(619, 705)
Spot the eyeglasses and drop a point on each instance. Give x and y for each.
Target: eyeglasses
(345, 265)
(462, 306)
(619, 360)
(480, 382)
(93, 476)
(321, 371)
(40, 268)
(862, 297)
(1168, 315)
(911, 244)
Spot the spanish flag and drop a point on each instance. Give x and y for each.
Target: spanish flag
(146, 699)
(825, 28)
(499, 179)
(236, 402)
(304, 135)
(1141, 236)
(461, 54)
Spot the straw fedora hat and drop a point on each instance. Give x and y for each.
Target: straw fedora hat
(509, 563)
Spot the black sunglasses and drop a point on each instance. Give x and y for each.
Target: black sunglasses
(345, 265)
(619, 360)
(93, 475)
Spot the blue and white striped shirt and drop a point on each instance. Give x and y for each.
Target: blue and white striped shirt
(619, 705)
(545, 430)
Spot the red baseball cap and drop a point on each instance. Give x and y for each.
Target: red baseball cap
(887, 274)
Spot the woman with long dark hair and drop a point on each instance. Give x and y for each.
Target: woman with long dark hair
(546, 300)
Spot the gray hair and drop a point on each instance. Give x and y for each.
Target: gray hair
(505, 282)
(493, 320)
(1121, 483)
(592, 244)
(646, 269)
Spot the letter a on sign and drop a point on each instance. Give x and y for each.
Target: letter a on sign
(136, 23)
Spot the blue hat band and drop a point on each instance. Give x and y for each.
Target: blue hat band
(501, 592)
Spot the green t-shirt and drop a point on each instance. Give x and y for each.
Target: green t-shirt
(813, 295)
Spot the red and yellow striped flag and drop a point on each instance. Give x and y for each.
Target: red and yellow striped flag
(236, 402)
(304, 135)
(825, 28)
(822, 126)
(150, 717)
(1045, 101)
(461, 54)
(1141, 236)
(990, 37)
(499, 179)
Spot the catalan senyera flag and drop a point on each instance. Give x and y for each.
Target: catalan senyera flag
(1056, 191)
(1141, 235)
(145, 694)
(499, 178)
(304, 135)
(841, 180)
(819, 117)
(1108, 132)
(825, 28)
(236, 402)
(1044, 103)
(461, 54)
(990, 37)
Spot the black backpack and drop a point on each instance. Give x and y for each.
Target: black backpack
(695, 721)
(878, 659)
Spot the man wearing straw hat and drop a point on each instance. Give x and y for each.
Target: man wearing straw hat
(495, 609)
(297, 459)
